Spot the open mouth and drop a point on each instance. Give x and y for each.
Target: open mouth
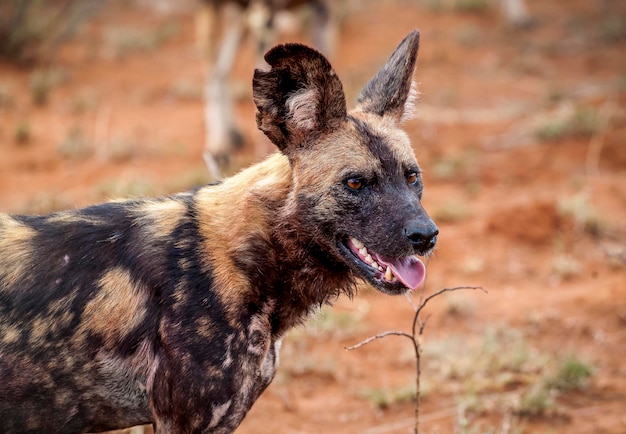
(391, 275)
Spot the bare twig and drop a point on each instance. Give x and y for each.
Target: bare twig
(378, 336)
(415, 336)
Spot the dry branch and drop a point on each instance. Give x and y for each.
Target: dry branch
(415, 337)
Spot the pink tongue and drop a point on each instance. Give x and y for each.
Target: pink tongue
(410, 270)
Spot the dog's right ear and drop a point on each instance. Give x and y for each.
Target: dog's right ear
(299, 98)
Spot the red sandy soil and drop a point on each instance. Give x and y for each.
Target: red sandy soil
(521, 135)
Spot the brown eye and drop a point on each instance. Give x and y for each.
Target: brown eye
(354, 183)
(412, 178)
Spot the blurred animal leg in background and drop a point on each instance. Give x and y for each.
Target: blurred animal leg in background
(325, 26)
(222, 136)
(221, 26)
(269, 18)
(516, 13)
(321, 20)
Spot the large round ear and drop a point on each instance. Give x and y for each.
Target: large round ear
(299, 98)
(392, 93)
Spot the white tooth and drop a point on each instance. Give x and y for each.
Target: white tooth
(380, 268)
(357, 243)
(388, 274)
(363, 251)
(369, 259)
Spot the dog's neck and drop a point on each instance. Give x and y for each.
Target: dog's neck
(265, 245)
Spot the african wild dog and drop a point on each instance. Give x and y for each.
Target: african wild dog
(171, 310)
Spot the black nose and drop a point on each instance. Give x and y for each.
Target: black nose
(423, 237)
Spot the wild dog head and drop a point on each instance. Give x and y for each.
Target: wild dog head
(356, 185)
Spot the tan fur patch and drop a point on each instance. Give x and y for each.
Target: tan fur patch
(15, 250)
(38, 330)
(205, 327)
(161, 217)
(73, 218)
(241, 204)
(10, 334)
(117, 307)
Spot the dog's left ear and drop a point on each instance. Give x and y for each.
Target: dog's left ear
(299, 98)
(392, 93)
